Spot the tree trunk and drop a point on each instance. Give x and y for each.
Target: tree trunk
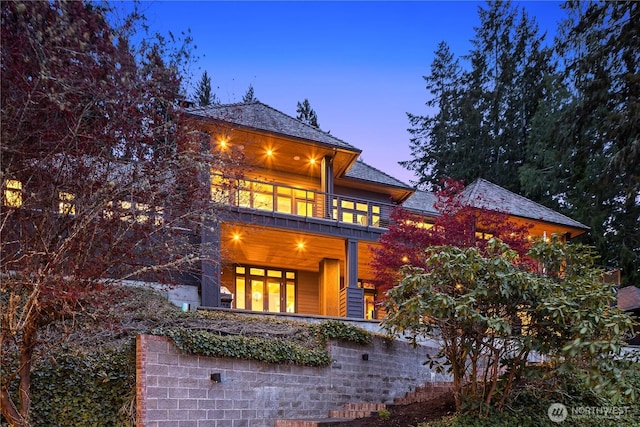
(9, 410)
(19, 417)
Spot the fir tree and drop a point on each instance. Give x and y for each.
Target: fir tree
(600, 46)
(306, 114)
(204, 96)
(249, 95)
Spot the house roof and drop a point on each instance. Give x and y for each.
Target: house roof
(484, 194)
(257, 115)
(362, 171)
(422, 201)
(629, 298)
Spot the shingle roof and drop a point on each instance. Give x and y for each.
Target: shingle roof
(484, 194)
(421, 201)
(362, 171)
(629, 298)
(260, 116)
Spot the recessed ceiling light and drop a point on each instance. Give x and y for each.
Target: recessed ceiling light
(296, 157)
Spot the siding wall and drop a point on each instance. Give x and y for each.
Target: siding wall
(176, 390)
(308, 293)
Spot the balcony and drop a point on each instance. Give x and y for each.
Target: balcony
(282, 199)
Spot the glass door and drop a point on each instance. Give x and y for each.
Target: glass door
(257, 295)
(265, 289)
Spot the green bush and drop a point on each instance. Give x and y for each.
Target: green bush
(337, 330)
(528, 406)
(272, 350)
(84, 389)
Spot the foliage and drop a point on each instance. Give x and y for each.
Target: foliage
(73, 388)
(483, 113)
(203, 93)
(266, 349)
(490, 314)
(249, 96)
(337, 330)
(529, 405)
(270, 350)
(600, 48)
(458, 224)
(306, 114)
(557, 124)
(384, 414)
(99, 171)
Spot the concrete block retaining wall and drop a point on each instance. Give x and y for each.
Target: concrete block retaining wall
(177, 390)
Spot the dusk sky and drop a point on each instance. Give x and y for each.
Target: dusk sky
(360, 64)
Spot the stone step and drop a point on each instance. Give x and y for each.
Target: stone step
(351, 411)
(323, 422)
(357, 410)
(423, 393)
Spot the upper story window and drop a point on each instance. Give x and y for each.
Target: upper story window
(12, 193)
(356, 212)
(264, 196)
(66, 203)
(134, 211)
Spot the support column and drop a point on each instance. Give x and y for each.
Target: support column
(210, 279)
(326, 183)
(210, 275)
(352, 297)
(330, 287)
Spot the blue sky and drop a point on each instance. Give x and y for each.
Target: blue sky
(360, 64)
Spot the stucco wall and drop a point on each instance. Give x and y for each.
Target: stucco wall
(176, 390)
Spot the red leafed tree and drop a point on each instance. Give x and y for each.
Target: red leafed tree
(458, 224)
(102, 177)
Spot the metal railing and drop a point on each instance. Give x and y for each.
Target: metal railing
(270, 197)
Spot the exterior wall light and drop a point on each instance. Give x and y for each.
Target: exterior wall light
(365, 356)
(216, 377)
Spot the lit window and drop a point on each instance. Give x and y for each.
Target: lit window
(12, 194)
(265, 289)
(158, 218)
(356, 212)
(66, 203)
(141, 212)
(108, 212)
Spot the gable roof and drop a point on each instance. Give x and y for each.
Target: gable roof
(484, 194)
(256, 115)
(364, 172)
(422, 201)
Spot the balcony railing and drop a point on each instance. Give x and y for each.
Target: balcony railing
(270, 197)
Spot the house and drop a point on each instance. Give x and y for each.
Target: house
(301, 221)
(628, 299)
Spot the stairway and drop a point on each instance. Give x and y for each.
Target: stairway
(350, 411)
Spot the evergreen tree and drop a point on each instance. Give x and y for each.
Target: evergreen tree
(485, 112)
(249, 96)
(306, 114)
(204, 96)
(600, 45)
(510, 63)
(545, 177)
(435, 138)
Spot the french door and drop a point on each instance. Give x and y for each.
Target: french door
(265, 289)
